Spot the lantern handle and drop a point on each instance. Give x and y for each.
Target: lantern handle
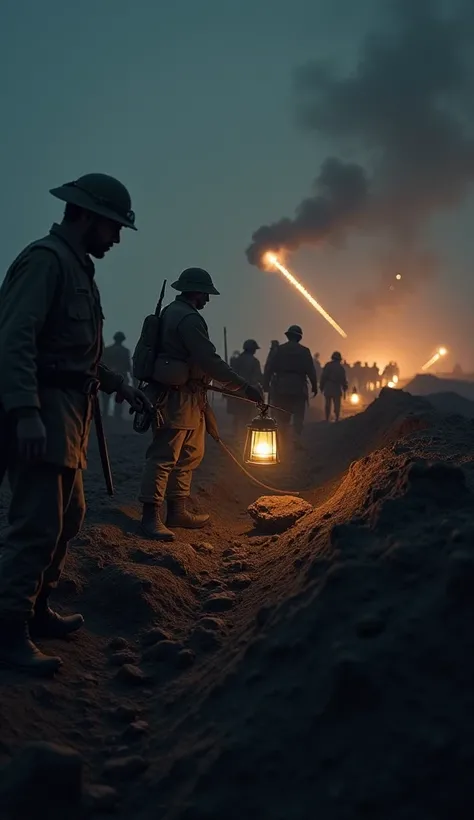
(260, 405)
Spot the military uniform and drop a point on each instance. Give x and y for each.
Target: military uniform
(286, 377)
(248, 367)
(177, 447)
(117, 358)
(50, 317)
(333, 385)
(50, 349)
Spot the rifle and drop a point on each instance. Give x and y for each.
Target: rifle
(142, 421)
(103, 451)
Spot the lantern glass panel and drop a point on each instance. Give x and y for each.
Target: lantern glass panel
(261, 447)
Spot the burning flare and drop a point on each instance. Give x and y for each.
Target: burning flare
(438, 355)
(271, 260)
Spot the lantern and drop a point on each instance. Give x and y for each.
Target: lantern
(261, 446)
(355, 398)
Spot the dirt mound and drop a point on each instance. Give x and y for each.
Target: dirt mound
(425, 384)
(451, 403)
(353, 698)
(330, 449)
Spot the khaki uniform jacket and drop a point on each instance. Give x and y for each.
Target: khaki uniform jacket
(117, 358)
(288, 370)
(50, 314)
(248, 367)
(333, 379)
(184, 336)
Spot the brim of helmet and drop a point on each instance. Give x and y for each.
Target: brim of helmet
(293, 333)
(67, 193)
(194, 289)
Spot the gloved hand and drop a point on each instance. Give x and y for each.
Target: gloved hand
(30, 434)
(136, 398)
(253, 394)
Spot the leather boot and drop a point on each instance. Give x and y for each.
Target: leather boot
(17, 651)
(152, 526)
(180, 516)
(47, 623)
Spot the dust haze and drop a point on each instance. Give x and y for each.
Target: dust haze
(405, 114)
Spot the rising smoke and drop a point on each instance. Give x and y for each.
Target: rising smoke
(408, 108)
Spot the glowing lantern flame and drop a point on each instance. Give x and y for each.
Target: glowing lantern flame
(391, 384)
(442, 351)
(395, 379)
(355, 398)
(261, 446)
(271, 259)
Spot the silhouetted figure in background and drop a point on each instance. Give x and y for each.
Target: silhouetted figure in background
(117, 357)
(286, 377)
(274, 345)
(317, 366)
(248, 367)
(333, 385)
(233, 358)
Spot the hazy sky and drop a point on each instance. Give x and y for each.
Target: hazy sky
(190, 104)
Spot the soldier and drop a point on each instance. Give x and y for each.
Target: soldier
(286, 377)
(177, 448)
(233, 358)
(317, 366)
(274, 345)
(117, 358)
(333, 384)
(50, 349)
(248, 367)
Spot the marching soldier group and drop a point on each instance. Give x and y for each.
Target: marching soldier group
(53, 368)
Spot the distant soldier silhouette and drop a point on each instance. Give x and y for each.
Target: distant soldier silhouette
(233, 358)
(333, 385)
(317, 366)
(274, 345)
(117, 357)
(248, 367)
(286, 377)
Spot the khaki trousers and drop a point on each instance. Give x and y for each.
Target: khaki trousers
(46, 511)
(171, 459)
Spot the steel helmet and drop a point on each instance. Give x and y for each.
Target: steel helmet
(336, 356)
(251, 345)
(101, 194)
(119, 336)
(195, 280)
(294, 330)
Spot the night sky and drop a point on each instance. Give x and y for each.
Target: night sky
(195, 109)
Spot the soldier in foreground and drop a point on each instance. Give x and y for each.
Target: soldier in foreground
(333, 384)
(50, 350)
(186, 363)
(248, 367)
(286, 377)
(117, 358)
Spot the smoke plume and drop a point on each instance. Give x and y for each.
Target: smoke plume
(407, 108)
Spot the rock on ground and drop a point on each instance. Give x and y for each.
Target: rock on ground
(275, 514)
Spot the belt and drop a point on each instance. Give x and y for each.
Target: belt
(68, 380)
